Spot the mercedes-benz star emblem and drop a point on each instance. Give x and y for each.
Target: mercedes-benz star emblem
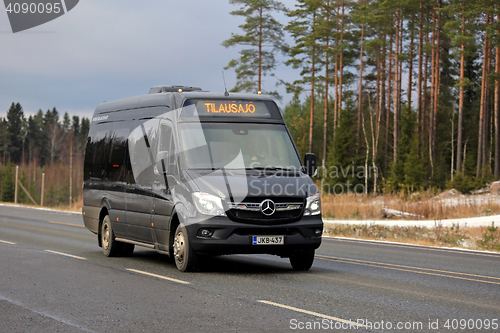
(267, 207)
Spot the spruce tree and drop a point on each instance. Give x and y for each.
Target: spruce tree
(4, 140)
(15, 117)
(8, 183)
(346, 172)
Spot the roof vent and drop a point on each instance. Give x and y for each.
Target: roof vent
(164, 89)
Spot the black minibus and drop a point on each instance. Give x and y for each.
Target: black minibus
(192, 174)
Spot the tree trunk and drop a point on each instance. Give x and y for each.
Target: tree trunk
(484, 82)
(497, 107)
(395, 91)
(419, 79)
(487, 106)
(325, 125)
(311, 112)
(360, 89)
(383, 111)
(336, 80)
(260, 52)
(410, 67)
(424, 91)
(433, 88)
(461, 96)
(389, 95)
(341, 67)
(437, 72)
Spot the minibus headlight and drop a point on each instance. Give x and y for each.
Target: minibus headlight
(208, 204)
(313, 205)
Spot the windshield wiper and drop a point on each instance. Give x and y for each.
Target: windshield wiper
(270, 168)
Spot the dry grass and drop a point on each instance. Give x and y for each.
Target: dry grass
(477, 238)
(425, 206)
(428, 206)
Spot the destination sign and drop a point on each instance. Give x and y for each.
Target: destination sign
(229, 108)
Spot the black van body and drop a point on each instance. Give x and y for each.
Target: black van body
(192, 173)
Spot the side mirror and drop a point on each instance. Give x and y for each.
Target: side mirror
(161, 162)
(310, 164)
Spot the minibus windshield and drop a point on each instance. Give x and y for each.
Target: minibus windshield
(237, 146)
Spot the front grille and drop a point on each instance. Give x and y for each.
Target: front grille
(286, 210)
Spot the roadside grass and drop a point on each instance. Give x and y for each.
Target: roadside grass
(426, 205)
(75, 207)
(474, 238)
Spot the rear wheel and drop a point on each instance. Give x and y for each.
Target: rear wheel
(302, 261)
(110, 247)
(185, 257)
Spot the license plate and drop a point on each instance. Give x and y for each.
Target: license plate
(268, 240)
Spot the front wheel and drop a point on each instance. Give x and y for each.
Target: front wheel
(302, 261)
(185, 257)
(110, 247)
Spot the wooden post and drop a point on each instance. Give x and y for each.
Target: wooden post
(28, 194)
(15, 188)
(43, 188)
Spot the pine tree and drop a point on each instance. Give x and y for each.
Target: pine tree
(304, 54)
(458, 27)
(263, 36)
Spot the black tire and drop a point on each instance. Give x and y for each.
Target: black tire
(184, 256)
(302, 261)
(110, 247)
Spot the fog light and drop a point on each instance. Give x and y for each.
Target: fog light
(318, 232)
(205, 233)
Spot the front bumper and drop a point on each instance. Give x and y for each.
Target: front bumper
(229, 237)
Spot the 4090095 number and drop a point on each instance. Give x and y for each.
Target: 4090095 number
(33, 8)
(471, 324)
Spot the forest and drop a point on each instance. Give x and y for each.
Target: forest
(404, 92)
(46, 147)
(391, 95)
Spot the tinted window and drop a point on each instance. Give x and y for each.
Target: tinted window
(166, 142)
(116, 166)
(142, 143)
(237, 146)
(97, 148)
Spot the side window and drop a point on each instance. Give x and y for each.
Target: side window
(142, 143)
(97, 148)
(116, 166)
(166, 142)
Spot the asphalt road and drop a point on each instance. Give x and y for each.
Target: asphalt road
(54, 278)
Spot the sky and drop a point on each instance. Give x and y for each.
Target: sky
(105, 50)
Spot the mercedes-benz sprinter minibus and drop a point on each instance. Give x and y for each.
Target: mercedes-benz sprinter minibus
(193, 174)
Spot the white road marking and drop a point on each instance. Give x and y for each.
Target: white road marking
(157, 276)
(66, 255)
(5, 242)
(313, 313)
